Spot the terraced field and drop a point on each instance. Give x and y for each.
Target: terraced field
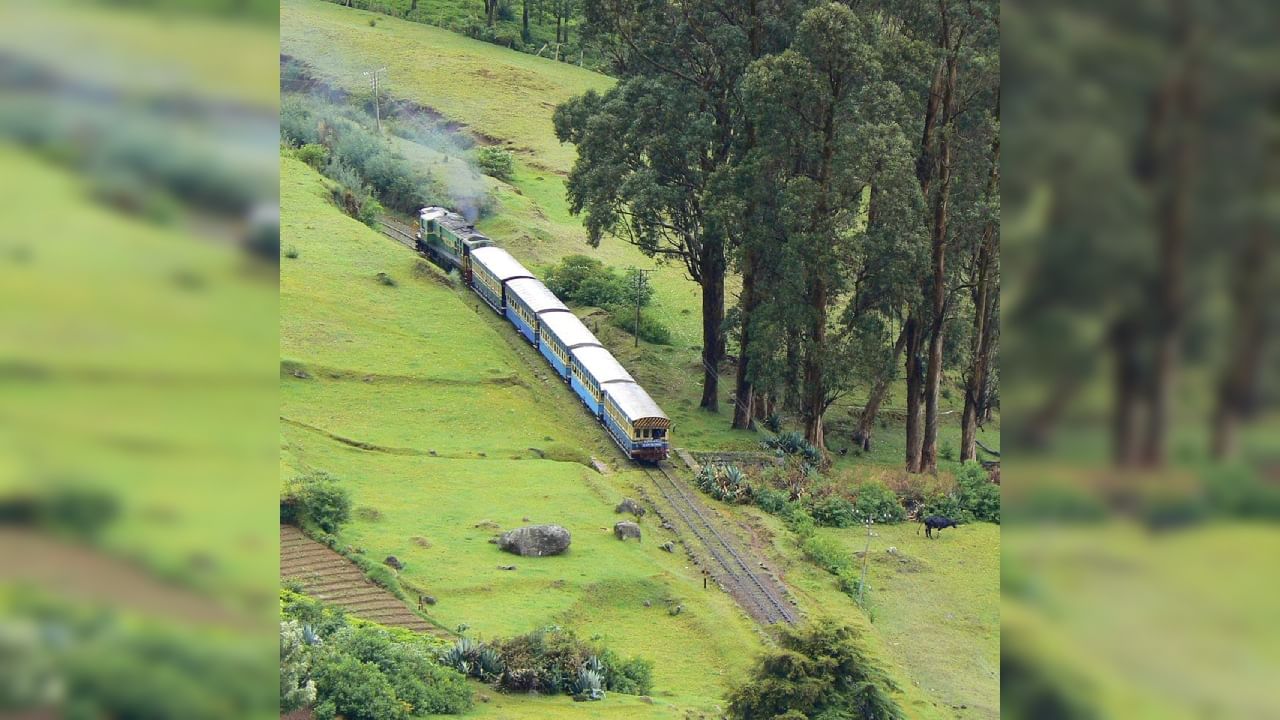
(326, 575)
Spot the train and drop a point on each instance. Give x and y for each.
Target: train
(612, 396)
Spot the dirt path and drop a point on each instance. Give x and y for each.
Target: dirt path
(326, 575)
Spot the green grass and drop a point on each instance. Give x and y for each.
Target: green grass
(415, 369)
(1157, 626)
(109, 381)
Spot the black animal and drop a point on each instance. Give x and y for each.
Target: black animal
(937, 522)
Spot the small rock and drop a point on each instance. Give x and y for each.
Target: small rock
(648, 603)
(393, 562)
(421, 541)
(429, 599)
(506, 567)
(667, 526)
(493, 541)
(483, 697)
(675, 610)
(668, 546)
(624, 530)
(524, 519)
(630, 506)
(487, 525)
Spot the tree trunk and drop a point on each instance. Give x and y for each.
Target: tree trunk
(933, 381)
(983, 315)
(1127, 391)
(815, 389)
(1174, 218)
(866, 423)
(744, 390)
(524, 19)
(712, 277)
(1239, 380)
(915, 388)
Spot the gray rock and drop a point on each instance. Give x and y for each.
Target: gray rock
(624, 530)
(535, 540)
(393, 562)
(630, 506)
(506, 567)
(668, 546)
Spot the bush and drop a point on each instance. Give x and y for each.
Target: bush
(827, 554)
(551, 661)
(878, 503)
(769, 500)
(834, 512)
(947, 505)
(291, 252)
(821, 670)
(356, 690)
(800, 521)
(978, 494)
(947, 451)
(316, 498)
(651, 330)
(313, 154)
(496, 162)
(585, 280)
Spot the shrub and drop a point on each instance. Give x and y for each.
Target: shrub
(978, 494)
(496, 162)
(947, 451)
(821, 670)
(878, 503)
(296, 686)
(793, 443)
(633, 676)
(800, 521)
(650, 329)
(316, 498)
(774, 422)
(827, 554)
(313, 154)
(586, 281)
(769, 500)
(834, 512)
(291, 252)
(385, 279)
(356, 690)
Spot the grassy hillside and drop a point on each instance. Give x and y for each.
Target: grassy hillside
(463, 434)
(124, 396)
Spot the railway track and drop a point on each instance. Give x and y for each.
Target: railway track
(759, 593)
(400, 233)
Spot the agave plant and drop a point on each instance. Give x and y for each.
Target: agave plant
(589, 684)
(488, 664)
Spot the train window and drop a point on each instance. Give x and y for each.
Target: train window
(659, 432)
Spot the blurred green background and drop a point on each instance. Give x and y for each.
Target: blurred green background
(138, 181)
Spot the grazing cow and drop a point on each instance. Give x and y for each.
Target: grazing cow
(936, 522)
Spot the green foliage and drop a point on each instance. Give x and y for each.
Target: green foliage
(651, 330)
(770, 500)
(496, 162)
(363, 164)
(792, 442)
(553, 660)
(584, 280)
(296, 686)
(827, 553)
(291, 252)
(822, 670)
(365, 671)
(834, 511)
(726, 483)
(315, 498)
(878, 503)
(946, 505)
(978, 494)
(314, 154)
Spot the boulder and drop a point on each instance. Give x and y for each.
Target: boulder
(630, 506)
(624, 530)
(668, 546)
(535, 540)
(393, 562)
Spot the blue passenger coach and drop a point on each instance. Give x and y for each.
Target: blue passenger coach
(492, 268)
(560, 334)
(592, 369)
(528, 300)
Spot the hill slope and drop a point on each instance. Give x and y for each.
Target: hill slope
(460, 437)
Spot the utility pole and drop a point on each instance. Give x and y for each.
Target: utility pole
(640, 281)
(377, 109)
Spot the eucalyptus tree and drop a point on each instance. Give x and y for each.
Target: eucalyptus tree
(826, 121)
(649, 148)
